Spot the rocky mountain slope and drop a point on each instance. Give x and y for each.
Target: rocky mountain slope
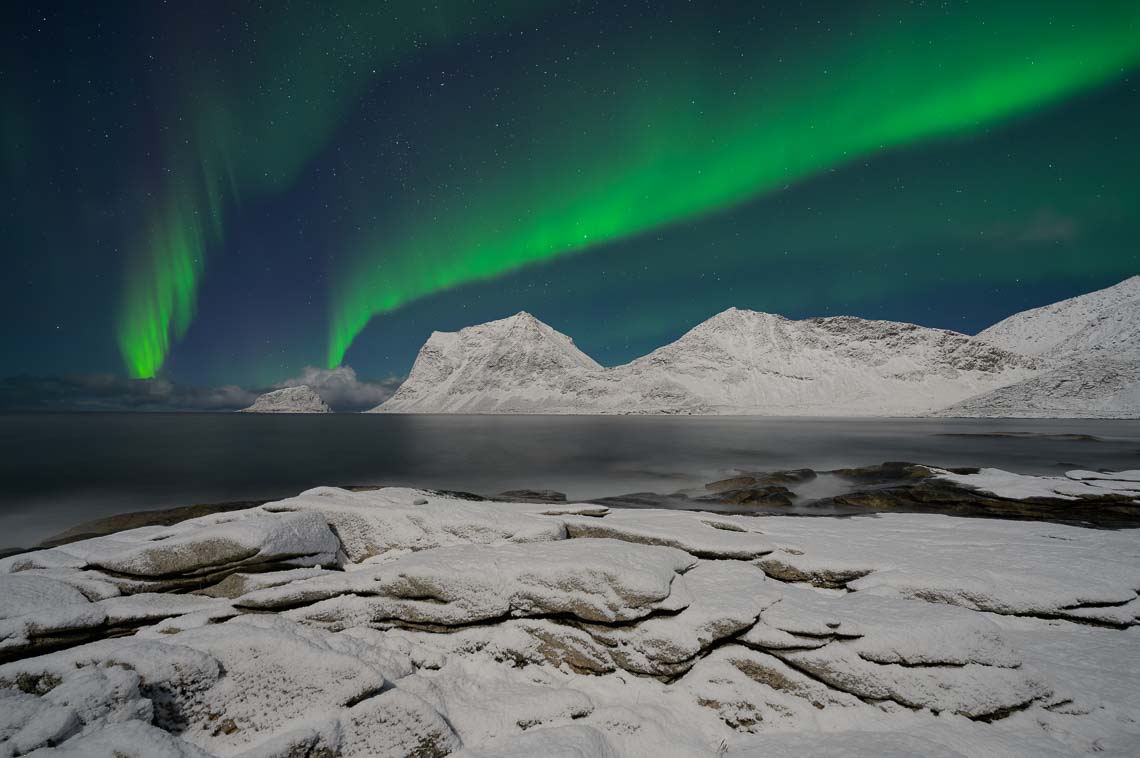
(1090, 352)
(300, 399)
(1105, 323)
(513, 365)
(1080, 357)
(738, 362)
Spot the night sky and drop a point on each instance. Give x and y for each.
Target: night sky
(225, 193)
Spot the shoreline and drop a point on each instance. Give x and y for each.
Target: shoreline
(885, 488)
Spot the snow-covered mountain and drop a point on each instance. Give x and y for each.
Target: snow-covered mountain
(1077, 388)
(300, 399)
(1105, 322)
(513, 365)
(1079, 357)
(757, 363)
(738, 362)
(1090, 352)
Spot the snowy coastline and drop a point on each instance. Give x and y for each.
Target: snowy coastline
(406, 622)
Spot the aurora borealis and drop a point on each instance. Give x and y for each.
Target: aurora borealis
(225, 194)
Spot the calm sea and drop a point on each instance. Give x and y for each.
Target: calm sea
(59, 469)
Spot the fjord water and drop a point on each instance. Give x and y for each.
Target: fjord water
(59, 469)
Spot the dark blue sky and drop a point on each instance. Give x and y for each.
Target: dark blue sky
(953, 232)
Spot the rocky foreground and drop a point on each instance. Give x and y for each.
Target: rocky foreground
(410, 623)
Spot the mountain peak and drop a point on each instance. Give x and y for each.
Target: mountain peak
(299, 399)
(1106, 321)
(516, 363)
(742, 361)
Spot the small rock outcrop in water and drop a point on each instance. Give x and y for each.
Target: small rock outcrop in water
(1079, 497)
(300, 399)
(402, 622)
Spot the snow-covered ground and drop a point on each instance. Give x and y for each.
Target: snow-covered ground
(1077, 358)
(402, 622)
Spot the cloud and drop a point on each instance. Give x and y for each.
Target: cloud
(1044, 227)
(107, 392)
(340, 388)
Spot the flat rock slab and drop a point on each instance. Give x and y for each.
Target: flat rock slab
(410, 622)
(590, 579)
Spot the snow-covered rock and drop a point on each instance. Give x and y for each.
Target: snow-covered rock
(299, 399)
(738, 362)
(440, 626)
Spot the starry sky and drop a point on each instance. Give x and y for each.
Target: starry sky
(219, 193)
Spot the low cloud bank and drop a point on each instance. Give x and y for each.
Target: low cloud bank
(339, 387)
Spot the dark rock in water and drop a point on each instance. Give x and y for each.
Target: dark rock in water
(531, 496)
(645, 500)
(1062, 437)
(762, 479)
(459, 495)
(735, 483)
(939, 496)
(789, 476)
(892, 471)
(761, 496)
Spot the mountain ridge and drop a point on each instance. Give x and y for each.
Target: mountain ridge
(744, 362)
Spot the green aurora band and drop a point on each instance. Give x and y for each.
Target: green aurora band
(248, 123)
(668, 144)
